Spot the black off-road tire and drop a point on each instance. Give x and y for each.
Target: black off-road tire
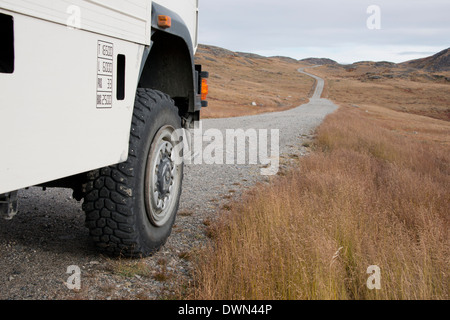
(119, 202)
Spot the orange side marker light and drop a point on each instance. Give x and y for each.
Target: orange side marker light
(164, 21)
(205, 89)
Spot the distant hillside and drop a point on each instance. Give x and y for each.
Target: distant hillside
(438, 62)
(222, 53)
(215, 51)
(242, 83)
(320, 61)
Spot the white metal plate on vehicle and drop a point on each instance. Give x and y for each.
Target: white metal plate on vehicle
(105, 71)
(55, 118)
(127, 20)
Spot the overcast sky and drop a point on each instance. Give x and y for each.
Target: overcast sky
(336, 29)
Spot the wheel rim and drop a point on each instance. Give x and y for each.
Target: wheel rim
(162, 178)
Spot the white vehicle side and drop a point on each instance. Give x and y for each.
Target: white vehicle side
(49, 119)
(67, 94)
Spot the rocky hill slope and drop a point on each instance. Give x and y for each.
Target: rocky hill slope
(438, 62)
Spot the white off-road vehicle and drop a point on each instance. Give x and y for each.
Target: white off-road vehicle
(90, 94)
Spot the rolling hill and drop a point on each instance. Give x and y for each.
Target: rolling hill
(438, 62)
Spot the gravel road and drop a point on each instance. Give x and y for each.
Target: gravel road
(48, 234)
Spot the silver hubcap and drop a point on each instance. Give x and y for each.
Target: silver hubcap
(162, 178)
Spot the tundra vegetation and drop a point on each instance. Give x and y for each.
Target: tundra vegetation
(374, 190)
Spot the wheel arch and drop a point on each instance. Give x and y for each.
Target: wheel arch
(168, 64)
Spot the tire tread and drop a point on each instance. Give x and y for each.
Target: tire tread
(108, 201)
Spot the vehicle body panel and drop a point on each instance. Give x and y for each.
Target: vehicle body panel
(51, 123)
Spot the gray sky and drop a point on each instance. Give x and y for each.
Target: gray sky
(335, 29)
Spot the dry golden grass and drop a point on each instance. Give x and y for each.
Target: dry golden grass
(374, 191)
(238, 80)
(398, 88)
(368, 195)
